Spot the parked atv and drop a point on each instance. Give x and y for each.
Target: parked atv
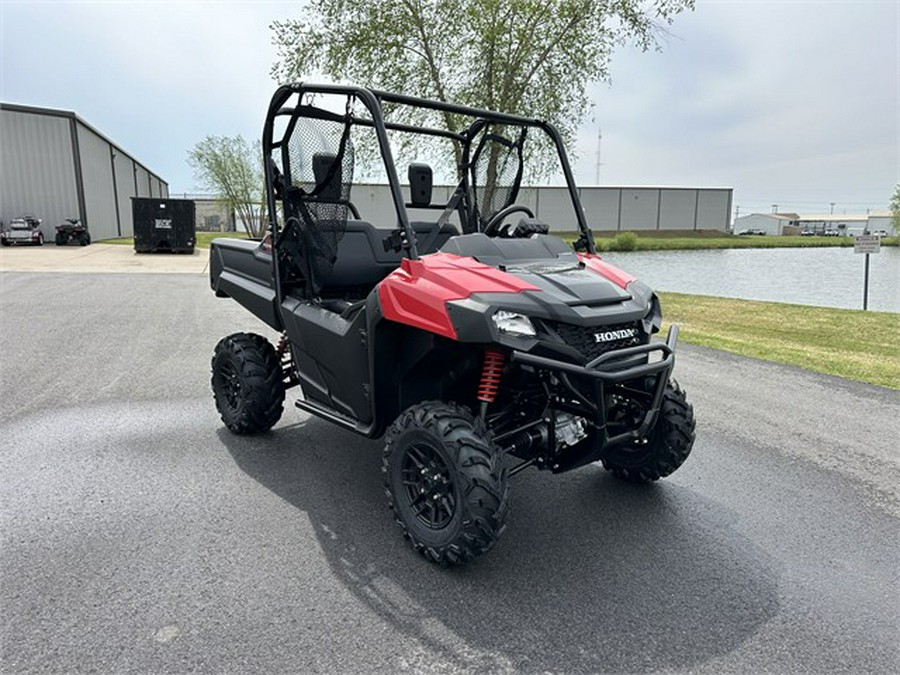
(72, 230)
(476, 344)
(24, 230)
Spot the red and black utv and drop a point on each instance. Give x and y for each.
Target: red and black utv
(477, 343)
(73, 230)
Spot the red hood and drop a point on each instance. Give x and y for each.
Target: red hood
(416, 293)
(607, 271)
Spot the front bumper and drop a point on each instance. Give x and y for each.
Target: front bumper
(604, 366)
(20, 239)
(613, 367)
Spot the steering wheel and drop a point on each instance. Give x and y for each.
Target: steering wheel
(491, 227)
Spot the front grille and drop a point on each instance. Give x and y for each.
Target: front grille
(583, 338)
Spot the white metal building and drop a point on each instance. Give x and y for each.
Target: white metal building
(793, 223)
(54, 165)
(770, 223)
(608, 209)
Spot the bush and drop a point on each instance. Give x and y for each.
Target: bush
(624, 241)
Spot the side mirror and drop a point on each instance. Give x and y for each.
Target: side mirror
(420, 183)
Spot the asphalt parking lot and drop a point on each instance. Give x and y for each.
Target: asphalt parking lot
(138, 535)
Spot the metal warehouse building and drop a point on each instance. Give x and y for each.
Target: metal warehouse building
(608, 209)
(794, 223)
(54, 165)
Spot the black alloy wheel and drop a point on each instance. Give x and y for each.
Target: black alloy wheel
(428, 485)
(445, 482)
(247, 383)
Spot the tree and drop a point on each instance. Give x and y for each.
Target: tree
(232, 168)
(895, 210)
(530, 57)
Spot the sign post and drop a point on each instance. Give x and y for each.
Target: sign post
(867, 243)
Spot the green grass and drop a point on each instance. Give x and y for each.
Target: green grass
(676, 240)
(844, 342)
(663, 240)
(203, 238)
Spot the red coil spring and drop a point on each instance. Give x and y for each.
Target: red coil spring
(490, 375)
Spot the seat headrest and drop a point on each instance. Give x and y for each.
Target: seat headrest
(420, 182)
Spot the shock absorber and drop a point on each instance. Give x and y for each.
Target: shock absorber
(491, 371)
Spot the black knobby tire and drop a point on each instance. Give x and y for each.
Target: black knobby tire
(247, 383)
(439, 452)
(667, 446)
(84, 239)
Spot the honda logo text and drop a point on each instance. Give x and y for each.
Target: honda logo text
(610, 335)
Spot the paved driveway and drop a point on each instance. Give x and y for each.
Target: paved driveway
(140, 536)
(99, 258)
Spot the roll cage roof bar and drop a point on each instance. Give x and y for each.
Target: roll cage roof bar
(373, 99)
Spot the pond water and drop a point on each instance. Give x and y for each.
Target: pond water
(828, 277)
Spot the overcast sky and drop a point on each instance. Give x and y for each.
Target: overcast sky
(790, 103)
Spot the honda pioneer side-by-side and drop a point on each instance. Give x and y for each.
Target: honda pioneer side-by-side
(475, 342)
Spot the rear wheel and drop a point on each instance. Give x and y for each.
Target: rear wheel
(84, 239)
(445, 483)
(667, 446)
(247, 383)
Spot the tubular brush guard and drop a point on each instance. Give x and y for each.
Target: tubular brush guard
(602, 371)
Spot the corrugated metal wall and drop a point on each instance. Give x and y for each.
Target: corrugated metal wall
(41, 176)
(155, 187)
(38, 169)
(99, 191)
(640, 209)
(606, 209)
(711, 205)
(678, 209)
(124, 191)
(142, 181)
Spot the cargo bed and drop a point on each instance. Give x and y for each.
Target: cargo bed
(241, 269)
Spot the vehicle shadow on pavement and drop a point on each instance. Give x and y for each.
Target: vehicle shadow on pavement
(590, 575)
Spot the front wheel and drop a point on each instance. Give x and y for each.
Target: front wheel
(445, 483)
(664, 450)
(248, 383)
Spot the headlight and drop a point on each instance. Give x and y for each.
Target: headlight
(514, 324)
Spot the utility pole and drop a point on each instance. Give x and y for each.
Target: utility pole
(832, 208)
(599, 146)
(774, 208)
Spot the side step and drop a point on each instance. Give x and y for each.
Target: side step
(340, 419)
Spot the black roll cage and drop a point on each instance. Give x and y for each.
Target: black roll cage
(373, 101)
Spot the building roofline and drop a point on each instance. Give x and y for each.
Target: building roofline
(71, 115)
(821, 217)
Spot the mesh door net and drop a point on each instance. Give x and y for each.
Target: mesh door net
(320, 161)
(496, 174)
